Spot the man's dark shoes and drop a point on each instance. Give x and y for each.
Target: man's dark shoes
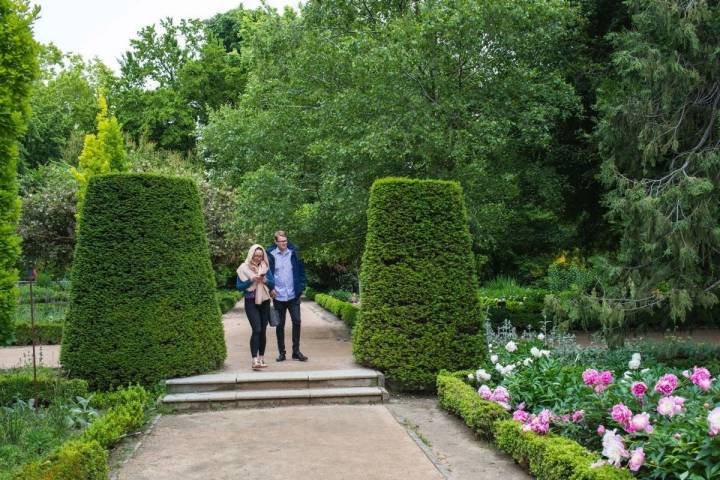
(299, 356)
(281, 358)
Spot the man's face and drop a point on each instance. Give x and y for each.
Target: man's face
(281, 243)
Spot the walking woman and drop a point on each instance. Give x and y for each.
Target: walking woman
(256, 279)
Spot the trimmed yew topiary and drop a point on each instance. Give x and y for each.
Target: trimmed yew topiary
(419, 313)
(142, 305)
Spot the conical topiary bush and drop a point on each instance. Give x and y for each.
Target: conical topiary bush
(142, 304)
(420, 312)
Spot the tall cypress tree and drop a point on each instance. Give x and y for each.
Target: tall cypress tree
(660, 136)
(18, 68)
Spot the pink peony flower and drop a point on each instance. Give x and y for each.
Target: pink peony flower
(621, 414)
(540, 423)
(667, 384)
(601, 429)
(640, 423)
(702, 378)
(521, 415)
(590, 376)
(637, 458)
(501, 395)
(485, 392)
(714, 421)
(638, 389)
(614, 447)
(670, 406)
(578, 415)
(677, 436)
(605, 378)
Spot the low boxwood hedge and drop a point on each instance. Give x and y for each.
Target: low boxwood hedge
(47, 333)
(227, 299)
(86, 457)
(50, 386)
(346, 311)
(547, 457)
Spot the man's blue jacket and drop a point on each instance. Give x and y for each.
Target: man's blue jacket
(298, 267)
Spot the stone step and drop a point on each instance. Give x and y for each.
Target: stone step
(264, 380)
(272, 398)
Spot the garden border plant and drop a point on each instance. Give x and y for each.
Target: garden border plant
(346, 311)
(86, 457)
(548, 457)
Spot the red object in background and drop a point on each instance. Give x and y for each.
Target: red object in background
(32, 274)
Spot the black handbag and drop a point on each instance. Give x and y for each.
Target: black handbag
(274, 317)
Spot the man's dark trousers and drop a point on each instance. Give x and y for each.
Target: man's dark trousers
(293, 306)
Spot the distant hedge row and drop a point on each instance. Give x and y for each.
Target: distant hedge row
(142, 302)
(346, 311)
(420, 311)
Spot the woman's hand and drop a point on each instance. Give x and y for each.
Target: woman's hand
(259, 279)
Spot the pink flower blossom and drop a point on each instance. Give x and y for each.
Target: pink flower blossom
(638, 389)
(614, 447)
(640, 423)
(601, 429)
(667, 384)
(485, 392)
(714, 421)
(505, 405)
(521, 415)
(605, 378)
(578, 415)
(670, 406)
(540, 423)
(702, 378)
(500, 395)
(677, 436)
(621, 414)
(637, 458)
(590, 376)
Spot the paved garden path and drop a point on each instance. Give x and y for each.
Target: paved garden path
(363, 442)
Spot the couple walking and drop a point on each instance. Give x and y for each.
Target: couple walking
(277, 273)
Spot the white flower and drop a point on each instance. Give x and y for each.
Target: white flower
(535, 352)
(527, 361)
(511, 347)
(626, 374)
(644, 370)
(541, 336)
(470, 376)
(499, 368)
(493, 358)
(482, 375)
(614, 447)
(545, 353)
(634, 362)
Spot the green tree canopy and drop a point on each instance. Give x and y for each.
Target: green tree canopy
(18, 69)
(661, 139)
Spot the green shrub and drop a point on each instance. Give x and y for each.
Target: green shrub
(118, 420)
(18, 69)
(457, 397)
(46, 333)
(347, 312)
(342, 295)
(142, 303)
(50, 387)
(73, 460)
(420, 312)
(548, 457)
(227, 299)
(310, 293)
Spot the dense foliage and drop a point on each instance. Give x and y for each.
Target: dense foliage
(18, 68)
(418, 236)
(142, 305)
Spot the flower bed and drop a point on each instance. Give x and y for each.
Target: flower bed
(652, 422)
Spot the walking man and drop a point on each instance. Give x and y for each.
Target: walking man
(289, 272)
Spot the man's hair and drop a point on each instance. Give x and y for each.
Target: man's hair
(279, 233)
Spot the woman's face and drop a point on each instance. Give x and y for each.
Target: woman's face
(257, 256)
